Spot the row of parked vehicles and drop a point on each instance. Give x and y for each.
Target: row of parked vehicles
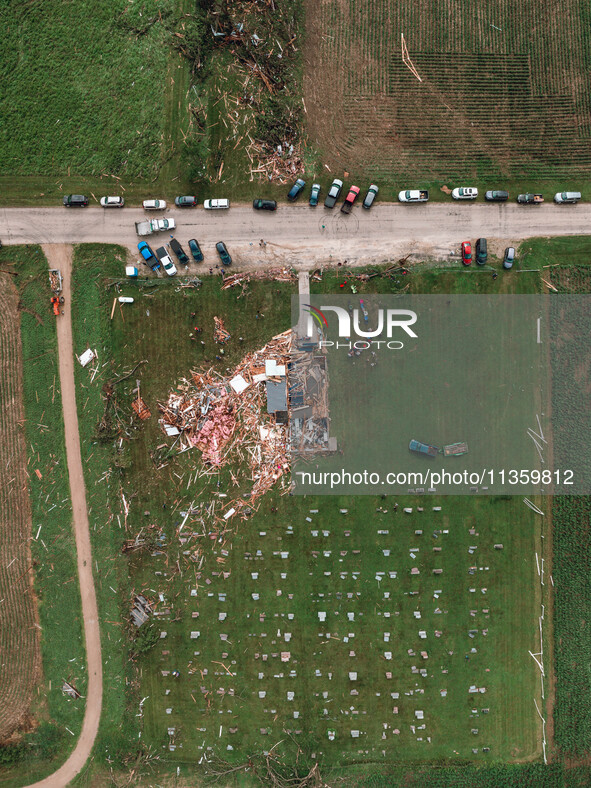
(482, 253)
(184, 201)
(405, 196)
(471, 193)
(333, 194)
(161, 257)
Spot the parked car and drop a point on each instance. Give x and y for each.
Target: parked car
(347, 206)
(216, 205)
(314, 193)
(75, 200)
(185, 202)
(148, 255)
(112, 202)
(413, 195)
(530, 199)
(481, 251)
(179, 251)
(296, 190)
(563, 198)
(465, 193)
(467, 253)
(333, 193)
(264, 205)
(166, 260)
(509, 257)
(223, 253)
(369, 198)
(195, 250)
(496, 196)
(154, 205)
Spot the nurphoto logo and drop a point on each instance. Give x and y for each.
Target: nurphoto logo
(354, 323)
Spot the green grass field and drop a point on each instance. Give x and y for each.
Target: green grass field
(84, 84)
(370, 627)
(157, 330)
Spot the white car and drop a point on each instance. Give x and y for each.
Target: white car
(216, 205)
(112, 202)
(163, 224)
(465, 193)
(154, 205)
(166, 261)
(333, 193)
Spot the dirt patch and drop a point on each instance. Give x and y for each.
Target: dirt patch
(20, 654)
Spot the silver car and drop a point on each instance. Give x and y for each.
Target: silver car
(509, 257)
(333, 193)
(112, 202)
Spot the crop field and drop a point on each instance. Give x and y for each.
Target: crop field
(51, 719)
(504, 90)
(303, 623)
(571, 517)
(19, 636)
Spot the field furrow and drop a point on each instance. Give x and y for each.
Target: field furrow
(504, 87)
(19, 641)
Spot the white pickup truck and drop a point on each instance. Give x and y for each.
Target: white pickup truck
(154, 226)
(413, 195)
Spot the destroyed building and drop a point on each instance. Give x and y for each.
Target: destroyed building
(237, 420)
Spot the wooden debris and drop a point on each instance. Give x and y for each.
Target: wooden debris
(140, 408)
(230, 424)
(276, 274)
(220, 335)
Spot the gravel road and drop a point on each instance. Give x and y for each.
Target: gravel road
(304, 236)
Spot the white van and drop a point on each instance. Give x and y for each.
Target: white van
(216, 205)
(567, 197)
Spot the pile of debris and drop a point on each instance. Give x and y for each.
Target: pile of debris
(141, 610)
(280, 164)
(226, 418)
(276, 274)
(139, 406)
(220, 335)
(309, 407)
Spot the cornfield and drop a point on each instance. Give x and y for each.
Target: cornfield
(504, 91)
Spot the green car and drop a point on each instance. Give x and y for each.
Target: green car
(223, 253)
(314, 194)
(195, 250)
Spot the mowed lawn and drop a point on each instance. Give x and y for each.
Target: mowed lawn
(83, 87)
(328, 583)
(337, 563)
(474, 373)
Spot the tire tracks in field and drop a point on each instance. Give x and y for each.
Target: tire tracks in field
(60, 256)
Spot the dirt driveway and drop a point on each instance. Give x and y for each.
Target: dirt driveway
(60, 256)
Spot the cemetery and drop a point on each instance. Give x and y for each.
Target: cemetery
(344, 631)
(367, 629)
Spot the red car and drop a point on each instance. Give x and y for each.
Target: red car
(467, 253)
(350, 199)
